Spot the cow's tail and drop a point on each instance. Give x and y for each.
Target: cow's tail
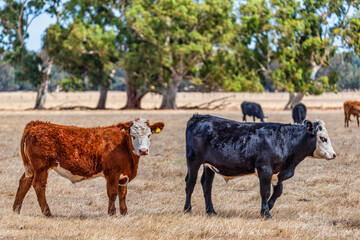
(28, 168)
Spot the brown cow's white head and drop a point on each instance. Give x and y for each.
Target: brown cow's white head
(323, 143)
(140, 132)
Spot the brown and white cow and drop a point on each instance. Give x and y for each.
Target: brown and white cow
(77, 153)
(351, 108)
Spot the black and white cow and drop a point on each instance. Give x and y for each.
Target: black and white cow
(252, 109)
(299, 113)
(234, 149)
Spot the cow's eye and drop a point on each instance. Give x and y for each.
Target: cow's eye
(133, 137)
(149, 136)
(323, 139)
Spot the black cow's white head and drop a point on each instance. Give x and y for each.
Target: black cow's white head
(323, 142)
(140, 132)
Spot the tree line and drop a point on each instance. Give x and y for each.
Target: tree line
(157, 45)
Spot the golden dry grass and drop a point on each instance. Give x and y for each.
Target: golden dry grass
(321, 201)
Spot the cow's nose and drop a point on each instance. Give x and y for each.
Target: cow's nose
(144, 151)
(334, 155)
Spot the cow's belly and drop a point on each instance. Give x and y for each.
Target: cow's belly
(226, 176)
(274, 178)
(72, 177)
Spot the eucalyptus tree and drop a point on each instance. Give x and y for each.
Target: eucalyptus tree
(86, 52)
(84, 43)
(351, 34)
(289, 41)
(308, 30)
(15, 19)
(182, 33)
(142, 72)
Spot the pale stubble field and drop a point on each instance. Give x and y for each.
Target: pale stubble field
(321, 201)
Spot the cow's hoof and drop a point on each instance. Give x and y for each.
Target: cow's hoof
(187, 209)
(266, 216)
(211, 213)
(112, 213)
(48, 215)
(16, 209)
(123, 211)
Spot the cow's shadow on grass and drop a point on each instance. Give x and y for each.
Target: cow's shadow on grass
(228, 214)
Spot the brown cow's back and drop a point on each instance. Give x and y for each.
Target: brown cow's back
(82, 151)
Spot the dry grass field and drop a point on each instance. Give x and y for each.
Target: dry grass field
(321, 201)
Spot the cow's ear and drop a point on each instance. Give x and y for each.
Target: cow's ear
(309, 126)
(319, 125)
(125, 126)
(157, 127)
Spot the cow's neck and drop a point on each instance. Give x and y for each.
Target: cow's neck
(134, 158)
(304, 147)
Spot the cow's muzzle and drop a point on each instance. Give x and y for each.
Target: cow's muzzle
(332, 157)
(143, 151)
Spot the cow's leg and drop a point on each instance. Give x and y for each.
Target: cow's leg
(265, 175)
(345, 119)
(244, 118)
(190, 180)
(357, 119)
(206, 182)
(279, 187)
(39, 184)
(276, 193)
(24, 186)
(254, 118)
(112, 192)
(122, 191)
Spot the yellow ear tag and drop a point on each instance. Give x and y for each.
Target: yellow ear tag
(158, 130)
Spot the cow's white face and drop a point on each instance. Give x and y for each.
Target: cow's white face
(323, 143)
(140, 133)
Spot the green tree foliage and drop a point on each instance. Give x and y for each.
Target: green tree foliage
(85, 47)
(142, 72)
(351, 34)
(182, 32)
(289, 41)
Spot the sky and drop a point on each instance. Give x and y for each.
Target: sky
(36, 31)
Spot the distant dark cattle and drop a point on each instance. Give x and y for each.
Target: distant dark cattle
(351, 108)
(299, 113)
(252, 109)
(78, 154)
(232, 149)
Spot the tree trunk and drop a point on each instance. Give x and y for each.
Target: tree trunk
(102, 99)
(104, 87)
(314, 70)
(294, 98)
(43, 87)
(41, 94)
(133, 100)
(134, 96)
(169, 94)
